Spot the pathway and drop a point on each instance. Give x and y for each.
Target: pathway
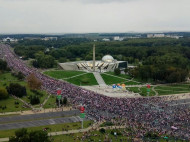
(99, 79)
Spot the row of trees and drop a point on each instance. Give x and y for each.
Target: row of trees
(22, 135)
(162, 73)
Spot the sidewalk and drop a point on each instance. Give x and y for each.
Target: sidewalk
(37, 112)
(99, 79)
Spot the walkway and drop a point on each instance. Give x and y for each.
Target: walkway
(99, 79)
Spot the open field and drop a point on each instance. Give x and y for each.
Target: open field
(52, 128)
(173, 89)
(50, 102)
(60, 74)
(79, 80)
(141, 90)
(5, 80)
(74, 77)
(114, 79)
(11, 106)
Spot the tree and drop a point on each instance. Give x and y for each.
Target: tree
(22, 135)
(16, 89)
(3, 65)
(3, 94)
(33, 82)
(34, 100)
(117, 71)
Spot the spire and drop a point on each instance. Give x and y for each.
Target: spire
(94, 58)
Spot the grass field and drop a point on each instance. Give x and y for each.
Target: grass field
(62, 74)
(142, 91)
(117, 79)
(53, 128)
(121, 75)
(51, 102)
(5, 80)
(10, 105)
(173, 89)
(69, 76)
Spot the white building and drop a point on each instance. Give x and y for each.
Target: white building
(108, 63)
(8, 39)
(117, 38)
(49, 38)
(155, 35)
(106, 39)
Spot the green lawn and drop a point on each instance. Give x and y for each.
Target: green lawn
(5, 80)
(62, 74)
(114, 80)
(10, 105)
(109, 80)
(142, 91)
(42, 97)
(79, 80)
(51, 102)
(53, 128)
(69, 77)
(173, 89)
(121, 75)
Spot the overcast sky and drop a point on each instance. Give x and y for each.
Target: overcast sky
(87, 16)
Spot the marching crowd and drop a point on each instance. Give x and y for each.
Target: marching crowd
(154, 114)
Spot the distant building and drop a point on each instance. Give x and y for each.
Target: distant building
(117, 38)
(106, 39)
(155, 35)
(49, 38)
(8, 39)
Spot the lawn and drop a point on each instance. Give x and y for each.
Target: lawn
(51, 102)
(62, 74)
(69, 76)
(121, 75)
(53, 128)
(79, 80)
(173, 89)
(142, 91)
(5, 80)
(116, 79)
(109, 80)
(10, 105)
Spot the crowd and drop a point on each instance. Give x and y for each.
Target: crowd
(142, 114)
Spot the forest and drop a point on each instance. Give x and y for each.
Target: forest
(158, 59)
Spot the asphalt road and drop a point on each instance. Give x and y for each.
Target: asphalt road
(36, 123)
(9, 119)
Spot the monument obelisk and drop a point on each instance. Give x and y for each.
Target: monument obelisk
(94, 58)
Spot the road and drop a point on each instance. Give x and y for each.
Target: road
(9, 119)
(36, 123)
(34, 120)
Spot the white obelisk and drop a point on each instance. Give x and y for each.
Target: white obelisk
(94, 58)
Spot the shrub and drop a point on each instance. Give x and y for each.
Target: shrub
(3, 94)
(17, 90)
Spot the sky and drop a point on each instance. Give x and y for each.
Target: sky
(93, 16)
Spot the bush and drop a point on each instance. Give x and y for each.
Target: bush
(17, 90)
(34, 100)
(117, 71)
(3, 94)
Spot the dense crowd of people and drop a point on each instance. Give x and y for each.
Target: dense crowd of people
(144, 115)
